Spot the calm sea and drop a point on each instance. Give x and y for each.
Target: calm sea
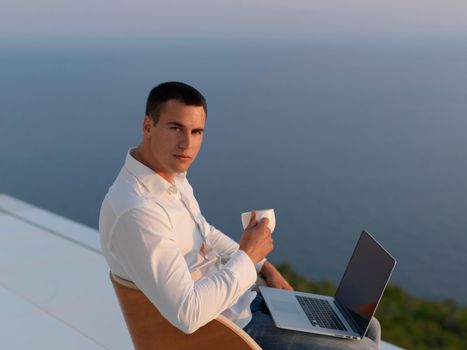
(336, 137)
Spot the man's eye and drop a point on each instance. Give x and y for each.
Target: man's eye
(198, 132)
(176, 128)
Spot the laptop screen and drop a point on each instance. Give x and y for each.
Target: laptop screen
(364, 280)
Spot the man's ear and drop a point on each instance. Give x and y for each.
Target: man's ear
(147, 125)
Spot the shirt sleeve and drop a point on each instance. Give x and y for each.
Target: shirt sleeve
(144, 244)
(224, 245)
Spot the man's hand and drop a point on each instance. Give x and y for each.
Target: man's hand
(273, 277)
(256, 241)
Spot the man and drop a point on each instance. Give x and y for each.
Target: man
(153, 232)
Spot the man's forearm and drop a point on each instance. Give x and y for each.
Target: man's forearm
(267, 269)
(273, 277)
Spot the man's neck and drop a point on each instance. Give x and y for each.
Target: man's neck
(138, 154)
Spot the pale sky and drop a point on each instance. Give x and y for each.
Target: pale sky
(233, 19)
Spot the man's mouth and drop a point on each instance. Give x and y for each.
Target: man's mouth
(182, 156)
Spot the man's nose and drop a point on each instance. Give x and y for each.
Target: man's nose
(185, 140)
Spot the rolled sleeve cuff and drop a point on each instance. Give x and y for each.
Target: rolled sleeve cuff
(259, 265)
(243, 268)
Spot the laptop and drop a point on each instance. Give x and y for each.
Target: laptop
(349, 312)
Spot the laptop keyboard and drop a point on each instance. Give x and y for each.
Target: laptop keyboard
(320, 313)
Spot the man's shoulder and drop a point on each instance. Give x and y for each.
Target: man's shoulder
(126, 193)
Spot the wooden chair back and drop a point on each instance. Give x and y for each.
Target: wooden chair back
(149, 330)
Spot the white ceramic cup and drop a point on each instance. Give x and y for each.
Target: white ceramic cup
(265, 213)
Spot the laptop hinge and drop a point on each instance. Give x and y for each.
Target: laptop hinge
(348, 318)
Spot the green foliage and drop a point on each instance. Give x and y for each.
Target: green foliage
(407, 321)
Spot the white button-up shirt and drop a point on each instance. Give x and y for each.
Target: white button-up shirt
(153, 233)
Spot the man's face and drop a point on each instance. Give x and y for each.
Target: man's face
(176, 138)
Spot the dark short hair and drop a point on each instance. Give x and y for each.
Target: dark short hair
(173, 90)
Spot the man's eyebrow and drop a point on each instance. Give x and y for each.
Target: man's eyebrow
(183, 126)
(176, 124)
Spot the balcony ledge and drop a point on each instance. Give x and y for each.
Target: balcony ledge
(54, 287)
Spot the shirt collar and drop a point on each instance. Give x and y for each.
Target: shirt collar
(149, 178)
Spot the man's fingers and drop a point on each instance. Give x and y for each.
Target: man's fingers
(264, 221)
(252, 219)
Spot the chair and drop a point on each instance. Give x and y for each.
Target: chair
(149, 330)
